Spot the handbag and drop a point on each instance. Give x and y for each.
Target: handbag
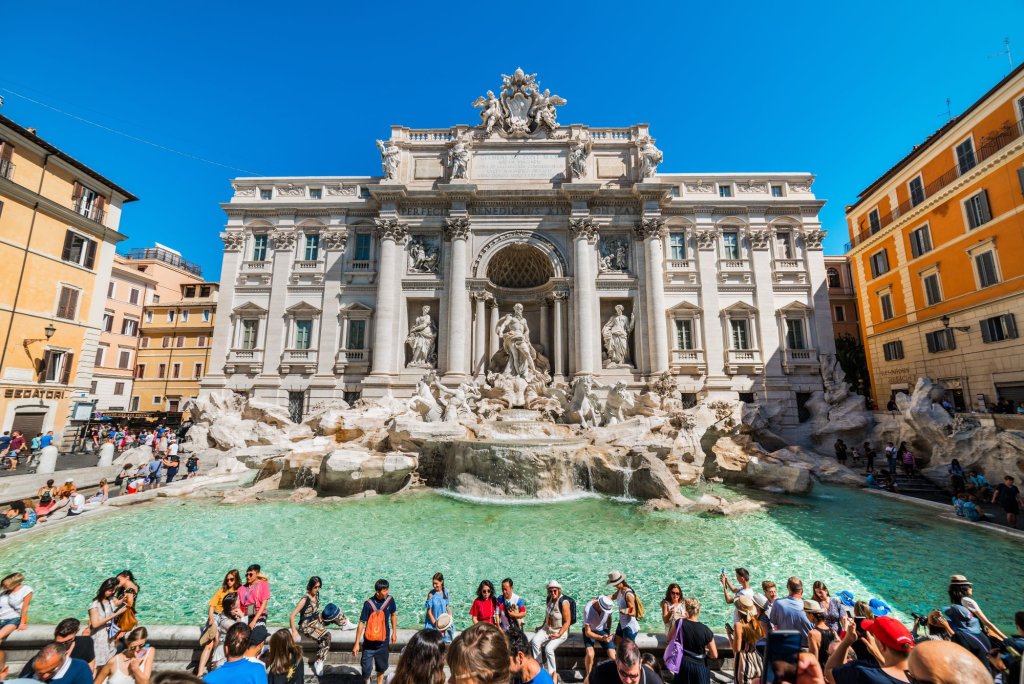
(673, 657)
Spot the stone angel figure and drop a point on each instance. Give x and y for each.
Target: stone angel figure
(491, 113)
(578, 155)
(389, 156)
(458, 159)
(543, 112)
(650, 157)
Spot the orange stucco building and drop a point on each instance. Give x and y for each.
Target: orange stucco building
(936, 253)
(58, 233)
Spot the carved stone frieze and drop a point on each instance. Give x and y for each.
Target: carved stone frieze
(813, 238)
(291, 190)
(391, 229)
(334, 239)
(705, 238)
(700, 186)
(456, 228)
(800, 187)
(245, 191)
(752, 187)
(760, 239)
(583, 228)
(283, 239)
(233, 241)
(650, 228)
(341, 190)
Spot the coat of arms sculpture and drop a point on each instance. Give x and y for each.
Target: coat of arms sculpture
(521, 110)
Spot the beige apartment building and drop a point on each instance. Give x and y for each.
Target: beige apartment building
(842, 296)
(139, 278)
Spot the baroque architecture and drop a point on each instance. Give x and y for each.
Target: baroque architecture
(522, 248)
(58, 233)
(935, 251)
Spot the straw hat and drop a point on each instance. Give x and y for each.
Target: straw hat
(554, 585)
(960, 579)
(615, 577)
(745, 605)
(605, 603)
(443, 622)
(813, 607)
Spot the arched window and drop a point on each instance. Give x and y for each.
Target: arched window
(833, 278)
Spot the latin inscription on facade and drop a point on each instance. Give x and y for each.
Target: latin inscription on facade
(519, 165)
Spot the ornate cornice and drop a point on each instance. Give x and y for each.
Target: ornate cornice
(391, 229)
(583, 228)
(456, 228)
(650, 228)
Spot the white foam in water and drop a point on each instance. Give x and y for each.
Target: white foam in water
(498, 501)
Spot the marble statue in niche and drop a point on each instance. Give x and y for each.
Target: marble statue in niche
(615, 335)
(421, 339)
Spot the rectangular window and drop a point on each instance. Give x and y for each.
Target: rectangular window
(161, 371)
(978, 210)
(124, 359)
(184, 316)
(730, 245)
(940, 341)
(893, 351)
(259, 247)
(740, 333)
(67, 303)
(776, 191)
(303, 334)
(684, 333)
(840, 314)
(885, 302)
(965, 159)
(725, 191)
(133, 296)
(110, 290)
(205, 291)
(916, 187)
(170, 316)
(179, 342)
(357, 334)
(932, 293)
(101, 352)
(108, 322)
(165, 342)
(149, 316)
(795, 334)
(250, 329)
(176, 370)
(92, 387)
(315, 193)
(874, 221)
(986, 265)
(783, 245)
(197, 371)
(119, 388)
(677, 246)
(879, 263)
(135, 404)
(312, 252)
(57, 366)
(140, 371)
(130, 326)
(86, 202)
(206, 315)
(157, 400)
(920, 241)
(998, 328)
(190, 292)
(266, 194)
(78, 250)
(144, 343)
(362, 252)
(201, 342)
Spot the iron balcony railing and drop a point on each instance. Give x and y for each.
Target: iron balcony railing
(89, 211)
(990, 144)
(165, 256)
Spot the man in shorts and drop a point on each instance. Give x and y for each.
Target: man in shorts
(375, 652)
(597, 631)
(1007, 495)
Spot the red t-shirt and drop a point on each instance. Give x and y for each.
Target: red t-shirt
(483, 611)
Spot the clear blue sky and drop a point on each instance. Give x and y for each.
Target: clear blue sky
(842, 90)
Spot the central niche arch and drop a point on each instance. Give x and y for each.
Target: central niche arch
(519, 267)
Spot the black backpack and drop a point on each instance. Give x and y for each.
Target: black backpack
(572, 608)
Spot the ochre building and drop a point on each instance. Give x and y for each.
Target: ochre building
(936, 251)
(58, 233)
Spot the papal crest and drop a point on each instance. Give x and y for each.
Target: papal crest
(521, 110)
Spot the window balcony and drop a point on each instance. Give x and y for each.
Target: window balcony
(257, 266)
(789, 270)
(734, 270)
(244, 361)
(362, 265)
(800, 361)
(89, 210)
(352, 360)
(689, 361)
(681, 270)
(301, 361)
(307, 272)
(743, 361)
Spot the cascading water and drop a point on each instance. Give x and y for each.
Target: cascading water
(305, 477)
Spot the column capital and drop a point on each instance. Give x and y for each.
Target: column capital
(559, 295)
(760, 238)
(456, 228)
(334, 239)
(583, 228)
(233, 241)
(705, 238)
(283, 239)
(650, 228)
(391, 229)
(813, 238)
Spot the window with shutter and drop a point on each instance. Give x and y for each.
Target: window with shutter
(65, 375)
(6, 154)
(42, 370)
(978, 210)
(67, 303)
(1009, 325)
(965, 159)
(90, 254)
(985, 263)
(1020, 179)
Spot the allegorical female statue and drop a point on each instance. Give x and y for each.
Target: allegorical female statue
(421, 340)
(515, 338)
(615, 334)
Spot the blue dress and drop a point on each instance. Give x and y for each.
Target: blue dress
(438, 602)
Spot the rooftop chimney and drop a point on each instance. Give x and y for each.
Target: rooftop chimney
(31, 130)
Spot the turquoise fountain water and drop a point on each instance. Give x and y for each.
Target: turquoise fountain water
(180, 550)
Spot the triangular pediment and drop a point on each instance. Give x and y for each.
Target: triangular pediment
(302, 308)
(685, 306)
(794, 306)
(249, 309)
(356, 306)
(739, 307)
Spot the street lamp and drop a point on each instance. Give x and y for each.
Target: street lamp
(49, 331)
(963, 361)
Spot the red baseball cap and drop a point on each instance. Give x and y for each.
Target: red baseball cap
(890, 632)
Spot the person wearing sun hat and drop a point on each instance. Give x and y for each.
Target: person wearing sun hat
(747, 632)
(555, 630)
(965, 617)
(597, 631)
(625, 598)
(821, 637)
(894, 643)
(963, 591)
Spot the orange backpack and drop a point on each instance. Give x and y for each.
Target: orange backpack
(377, 623)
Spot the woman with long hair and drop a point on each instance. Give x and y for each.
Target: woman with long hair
(15, 596)
(127, 589)
(231, 613)
(485, 606)
(422, 659)
(438, 603)
(47, 496)
(698, 646)
(819, 639)
(311, 624)
(746, 633)
(104, 611)
(968, 628)
(232, 580)
(479, 655)
(672, 608)
(831, 606)
(284, 662)
(133, 665)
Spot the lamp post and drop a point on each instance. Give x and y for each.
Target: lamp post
(963, 360)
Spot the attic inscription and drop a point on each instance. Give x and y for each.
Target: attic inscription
(519, 165)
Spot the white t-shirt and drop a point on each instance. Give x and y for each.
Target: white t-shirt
(172, 449)
(149, 439)
(970, 604)
(11, 603)
(77, 503)
(595, 616)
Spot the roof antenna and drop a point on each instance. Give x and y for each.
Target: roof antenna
(1006, 51)
(948, 113)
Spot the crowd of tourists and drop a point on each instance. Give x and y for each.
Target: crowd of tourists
(840, 639)
(16, 447)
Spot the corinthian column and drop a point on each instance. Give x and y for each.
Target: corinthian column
(584, 235)
(652, 232)
(559, 341)
(391, 234)
(457, 230)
